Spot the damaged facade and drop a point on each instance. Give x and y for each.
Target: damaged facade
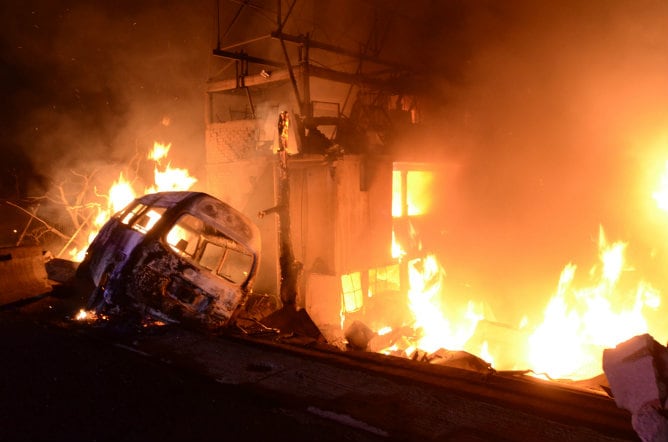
(331, 179)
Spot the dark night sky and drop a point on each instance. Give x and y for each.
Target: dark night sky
(88, 83)
(554, 113)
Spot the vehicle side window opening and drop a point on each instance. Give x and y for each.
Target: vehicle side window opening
(131, 212)
(236, 266)
(141, 217)
(209, 248)
(183, 239)
(212, 255)
(147, 219)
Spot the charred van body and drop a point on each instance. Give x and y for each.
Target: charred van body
(186, 256)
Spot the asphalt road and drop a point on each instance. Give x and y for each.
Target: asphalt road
(58, 382)
(62, 379)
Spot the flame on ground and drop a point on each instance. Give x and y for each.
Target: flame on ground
(580, 320)
(578, 323)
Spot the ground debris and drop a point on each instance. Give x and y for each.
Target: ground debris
(460, 359)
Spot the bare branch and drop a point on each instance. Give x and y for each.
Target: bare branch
(25, 229)
(67, 244)
(49, 227)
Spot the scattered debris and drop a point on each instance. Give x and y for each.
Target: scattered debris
(359, 335)
(460, 359)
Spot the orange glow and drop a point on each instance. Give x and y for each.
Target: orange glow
(87, 315)
(171, 178)
(397, 250)
(585, 315)
(425, 301)
(159, 151)
(420, 189)
(661, 195)
(351, 287)
(415, 198)
(485, 354)
(580, 322)
(434, 326)
(122, 192)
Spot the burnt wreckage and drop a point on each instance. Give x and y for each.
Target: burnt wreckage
(183, 256)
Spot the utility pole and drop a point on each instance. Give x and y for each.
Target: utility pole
(289, 268)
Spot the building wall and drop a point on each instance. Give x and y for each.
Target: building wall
(340, 210)
(231, 141)
(240, 174)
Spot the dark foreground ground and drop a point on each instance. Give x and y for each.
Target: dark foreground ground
(59, 382)
(132, 379)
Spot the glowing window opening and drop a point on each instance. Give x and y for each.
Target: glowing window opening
(140, 217)
(236, 266)
(384, 279)
(411, 192)
(351, 290)
(145, 222)
(131, 212)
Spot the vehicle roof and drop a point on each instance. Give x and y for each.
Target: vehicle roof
(221, 215)
(166, 199)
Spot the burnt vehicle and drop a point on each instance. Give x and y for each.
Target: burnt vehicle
(182, 256)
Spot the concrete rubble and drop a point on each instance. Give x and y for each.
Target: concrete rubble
(637, 371)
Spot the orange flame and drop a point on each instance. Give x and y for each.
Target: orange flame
(159, 151)
(579, 323)
(171, 179)
(425, 301)
(121, 192)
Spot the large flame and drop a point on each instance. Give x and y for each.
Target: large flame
(580, 322)
(425, 298)
(122, 192)
(434, 323)
(584, 316)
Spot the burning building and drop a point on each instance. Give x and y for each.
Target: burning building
(349, 218)
(338, 207)
(324, 157)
